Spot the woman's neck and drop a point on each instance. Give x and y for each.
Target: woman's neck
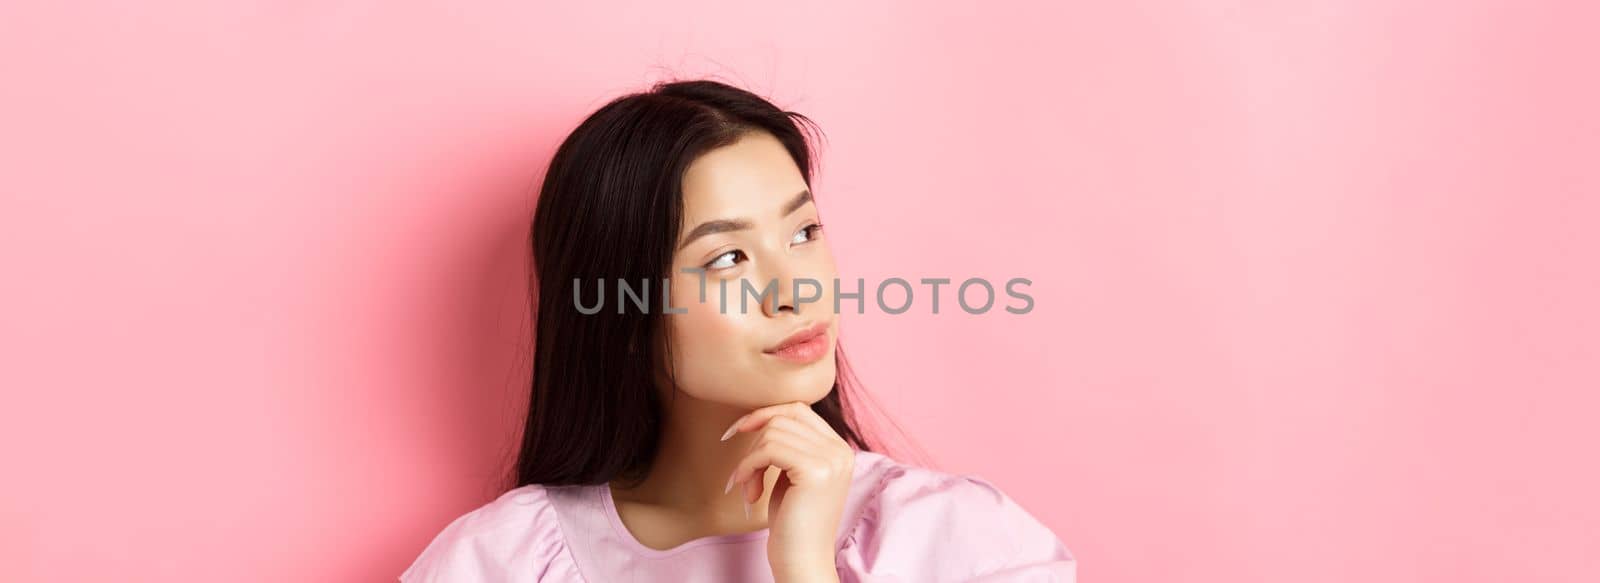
(691, 466)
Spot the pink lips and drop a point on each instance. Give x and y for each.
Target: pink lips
(805, 346)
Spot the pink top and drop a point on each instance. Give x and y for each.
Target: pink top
(901, 523)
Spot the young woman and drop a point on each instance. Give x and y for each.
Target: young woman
(675, 433)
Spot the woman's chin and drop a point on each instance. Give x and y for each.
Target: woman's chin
(808, 386)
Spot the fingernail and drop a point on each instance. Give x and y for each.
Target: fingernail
(731, 428)
(747, 510)
(728, 487)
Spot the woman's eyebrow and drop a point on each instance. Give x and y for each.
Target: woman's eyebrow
(725, 225)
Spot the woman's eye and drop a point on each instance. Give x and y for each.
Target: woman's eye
(724, 260)
(810, 233)
(730, 258)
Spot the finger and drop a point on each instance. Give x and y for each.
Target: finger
(827, 446)
(789, 437)
(800, 429)
(791, 431)
(780, 487)
(802, 412)
(752, 488)
(796, 409)
(796, 462)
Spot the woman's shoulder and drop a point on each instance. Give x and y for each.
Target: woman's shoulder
(526, 509)
(889, 482)
(519, 527)
(947, 526)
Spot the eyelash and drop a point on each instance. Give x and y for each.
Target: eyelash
(814, 228)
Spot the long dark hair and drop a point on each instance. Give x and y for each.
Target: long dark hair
(610, 207)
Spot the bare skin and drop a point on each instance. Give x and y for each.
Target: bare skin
(782, 458)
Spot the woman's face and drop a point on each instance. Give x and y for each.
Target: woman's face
(748, 221)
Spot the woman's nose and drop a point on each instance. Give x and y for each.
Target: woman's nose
(781, 300)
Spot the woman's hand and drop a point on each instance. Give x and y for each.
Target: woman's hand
(809, 495)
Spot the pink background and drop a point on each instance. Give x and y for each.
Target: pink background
(1315, 282)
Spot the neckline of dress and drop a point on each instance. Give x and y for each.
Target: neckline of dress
(609, 506)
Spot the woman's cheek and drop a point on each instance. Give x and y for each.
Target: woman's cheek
(713, 350)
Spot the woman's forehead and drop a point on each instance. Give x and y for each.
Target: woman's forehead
(753, 178)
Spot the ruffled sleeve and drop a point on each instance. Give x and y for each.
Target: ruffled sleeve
(514, 539)
(928, 526)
